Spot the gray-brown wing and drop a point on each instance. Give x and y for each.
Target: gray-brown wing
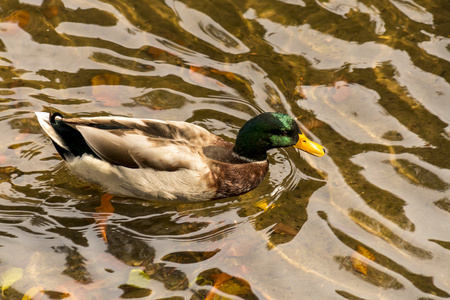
(134, 149)
(175, 130)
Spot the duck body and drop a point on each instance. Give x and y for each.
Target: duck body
(160, 160)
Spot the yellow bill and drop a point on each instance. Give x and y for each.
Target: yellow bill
(309, 146)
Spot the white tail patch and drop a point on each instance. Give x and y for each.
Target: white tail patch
(44, 121)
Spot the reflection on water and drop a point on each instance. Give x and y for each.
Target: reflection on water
(367, 79)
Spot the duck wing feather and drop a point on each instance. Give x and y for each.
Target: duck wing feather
(145, 143)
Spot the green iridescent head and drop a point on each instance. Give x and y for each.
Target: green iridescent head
(272, 130)
(264, 132)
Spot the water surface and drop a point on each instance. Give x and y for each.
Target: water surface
(369, 80)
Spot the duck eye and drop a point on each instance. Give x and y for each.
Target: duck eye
(284, 133)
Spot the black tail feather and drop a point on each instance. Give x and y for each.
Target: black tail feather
(72, 138)
(53, 117)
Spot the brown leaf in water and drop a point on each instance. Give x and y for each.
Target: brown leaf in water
(199, 70)
(228, 75)
(189, 257)
(284, 229)
(155, 52)
(360, 265)
(312, 123)
(342, 91)
(75, 291)
(219, 279)
(105, 79)
(225, 283)
(299, 90)
(102, 90)
(153, 107)
(50, 11)
(21, 136)
(105, 210)
(15, 83)
(56, 295)
(198, 74)
(21, 17)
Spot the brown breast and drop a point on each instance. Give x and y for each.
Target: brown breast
(231, 175)
(237, 179)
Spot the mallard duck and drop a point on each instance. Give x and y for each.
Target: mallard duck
(170, 160)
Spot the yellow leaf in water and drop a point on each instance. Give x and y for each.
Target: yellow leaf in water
(9, 277)
(358, 264)
(31, 293)
(262, 204)
(366, 253)
(139, 279)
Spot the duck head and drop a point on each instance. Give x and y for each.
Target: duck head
(272, 130)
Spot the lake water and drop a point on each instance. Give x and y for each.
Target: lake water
(369, 80)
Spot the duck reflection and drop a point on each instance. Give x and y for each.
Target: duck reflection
(209, 284)
(126, 244)
(135, 252)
